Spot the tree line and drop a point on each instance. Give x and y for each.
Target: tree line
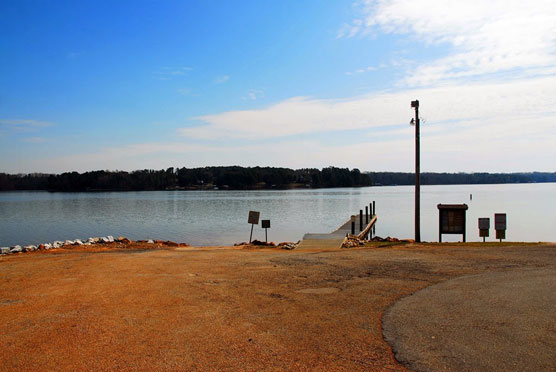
(188, 179)
(240, 178)
(399, 178)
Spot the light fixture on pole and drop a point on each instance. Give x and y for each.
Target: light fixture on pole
(415, 121)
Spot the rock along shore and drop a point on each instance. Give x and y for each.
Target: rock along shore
(83, 243)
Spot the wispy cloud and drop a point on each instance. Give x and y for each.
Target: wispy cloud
(484, 37)
(254, 94)
(35, 140)
(221, 79)
(167, 73)
(350, 29)
(185, 91)
(461, 102)
(23, 124)
(472, 146)
(362, 70)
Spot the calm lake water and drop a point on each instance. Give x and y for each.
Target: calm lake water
(220, 217)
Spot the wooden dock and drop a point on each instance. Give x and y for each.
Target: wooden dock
(335, 239)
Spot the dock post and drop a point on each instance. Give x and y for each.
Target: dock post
(366, 215)
(361, 220)
(374, 213)
(353, 226)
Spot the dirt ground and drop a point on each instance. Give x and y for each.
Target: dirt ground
(128, 308)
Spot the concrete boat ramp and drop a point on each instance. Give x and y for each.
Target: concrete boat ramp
(335, 239)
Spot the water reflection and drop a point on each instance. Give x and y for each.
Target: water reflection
(220, 217)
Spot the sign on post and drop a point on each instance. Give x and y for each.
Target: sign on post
(266, 226)
(451, 219)
(500, 225)
(500, 221)
(484, 227)
(253, 219)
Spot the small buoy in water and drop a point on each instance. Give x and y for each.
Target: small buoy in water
(470, 196)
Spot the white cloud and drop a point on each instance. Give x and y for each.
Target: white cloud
(22, 125)
(474, 145)
(254, 94)
(167, 73)
(365, 69)
(221, 79)
(461, 102)
(350, 29)
(485, 37)
(497, 127)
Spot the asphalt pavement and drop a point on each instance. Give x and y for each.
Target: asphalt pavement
(496, 321)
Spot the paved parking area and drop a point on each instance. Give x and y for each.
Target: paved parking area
(495, 321)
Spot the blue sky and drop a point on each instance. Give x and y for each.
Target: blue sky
(154, 84)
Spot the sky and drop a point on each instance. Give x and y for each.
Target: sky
(126, 85)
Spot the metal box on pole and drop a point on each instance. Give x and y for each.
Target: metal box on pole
(484, 227)
(266, 225)
(500, 225)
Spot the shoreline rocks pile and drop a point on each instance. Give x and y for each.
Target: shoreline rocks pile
(391, 240)
(352, 241)
(258, 243)
(82, 242)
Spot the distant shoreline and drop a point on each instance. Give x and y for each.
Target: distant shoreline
(247, 178)
(267, 189)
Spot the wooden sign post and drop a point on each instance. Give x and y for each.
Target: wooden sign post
(266, 226)
(253, 220)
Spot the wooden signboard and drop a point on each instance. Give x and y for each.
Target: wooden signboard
(253, 217)
(451, 219)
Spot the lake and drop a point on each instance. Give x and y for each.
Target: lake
(220, 217)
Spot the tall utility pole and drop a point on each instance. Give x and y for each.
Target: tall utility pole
(415, 105)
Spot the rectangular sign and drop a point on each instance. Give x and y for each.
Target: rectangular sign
(266, 224)
(483, 233)
(500, 221)
(253, 217)
(484, 224)
(500, 234)
(452, 221)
